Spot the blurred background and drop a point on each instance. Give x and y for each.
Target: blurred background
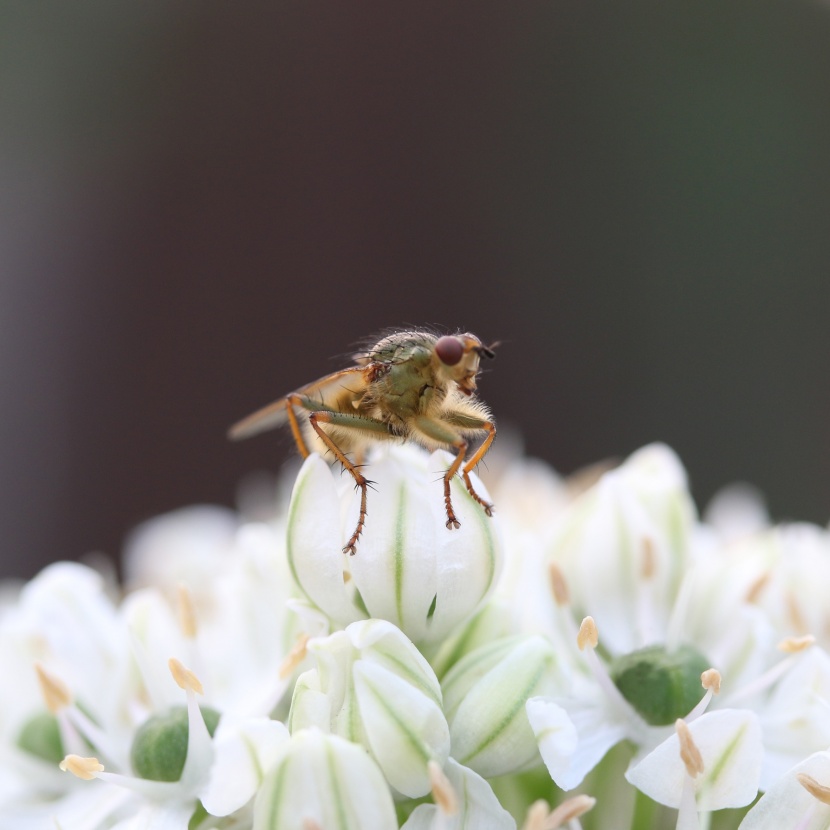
(203, 204)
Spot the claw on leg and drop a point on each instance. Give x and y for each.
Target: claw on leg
(488, 506)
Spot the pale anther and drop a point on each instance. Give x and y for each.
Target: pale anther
(81, 767)
(294, 657)
(537, 815)
(55, 692)
(795, 612)
(558, 584)
(792, 645)
(689, 753)
(185, 612)
(311, 824)
(819, 791)
(649, 563)
(185, 679)
(753, 594)
(588, 634)
(710, 679)
(442, 790)
(569, 810)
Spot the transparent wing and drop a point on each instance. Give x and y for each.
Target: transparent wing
(274, 415)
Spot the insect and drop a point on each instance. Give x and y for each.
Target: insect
(409, 386)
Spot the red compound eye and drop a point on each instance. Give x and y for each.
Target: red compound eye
(449, 350)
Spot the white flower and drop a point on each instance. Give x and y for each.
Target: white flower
(623, 546)
(716, 756)
(409, 568)
(373, 687)
(323, 781)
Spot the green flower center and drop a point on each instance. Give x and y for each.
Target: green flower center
(159, 747)
(661, 685)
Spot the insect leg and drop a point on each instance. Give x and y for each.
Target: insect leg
(350, 422)
(290, 402)
(439, 431)
(306, 403)
(470, 423)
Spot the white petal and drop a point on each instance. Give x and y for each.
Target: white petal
(787, 804)
(166, 817)
(572, 741)
(490, 730)
(478, 806)
(243, 755)
(314, 541)
(328, 780)
(729, 741)
(395, 566)
(405, 729)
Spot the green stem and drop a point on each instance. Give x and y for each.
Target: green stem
(644, 809)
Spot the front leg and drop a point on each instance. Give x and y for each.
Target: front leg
(469, 423)
(445, 434)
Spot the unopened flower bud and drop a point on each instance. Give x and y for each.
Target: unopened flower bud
(323, 781)
(484, 697)
(373, 687)
(408, 568)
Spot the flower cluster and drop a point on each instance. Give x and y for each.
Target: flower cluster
(596, 655)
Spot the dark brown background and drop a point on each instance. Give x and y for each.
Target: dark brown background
(202, 203)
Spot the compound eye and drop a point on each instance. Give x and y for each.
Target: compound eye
(449, 350)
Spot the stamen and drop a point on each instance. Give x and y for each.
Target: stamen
(753, 594)
(442, 790)
(84, 768)
(588, 634)
(569, 810)
(536, 815)
(819, 791)
(796, 615)
(558, 585)
(792, 645)
(649, 561)
(55, 692)
(710, 680)
(310, 824)
(689, 753)
(186, 613)
(185, 679)
(294, 657)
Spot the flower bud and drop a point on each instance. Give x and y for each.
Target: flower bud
(409, 568)
(323, 781)
(484, 698)
(661, 685)
(159, 747)
(373, 687)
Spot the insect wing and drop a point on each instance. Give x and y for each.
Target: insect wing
(275, 414)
